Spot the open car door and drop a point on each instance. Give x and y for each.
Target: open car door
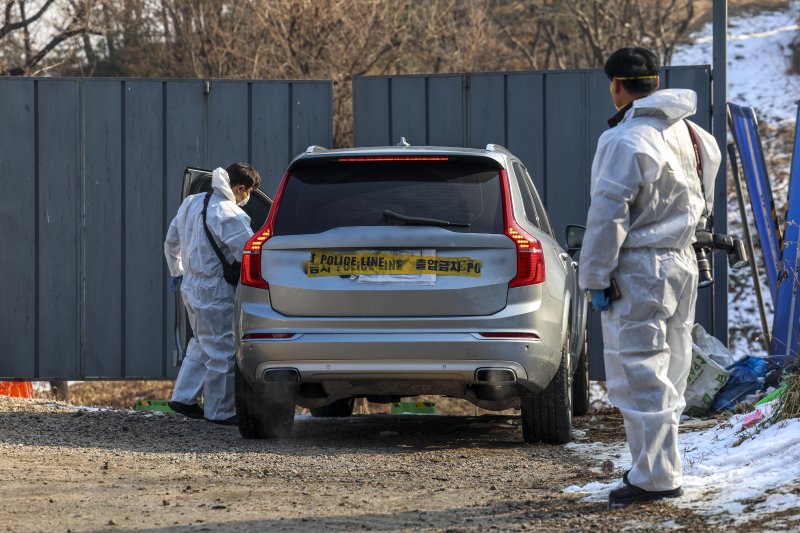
(195, 181)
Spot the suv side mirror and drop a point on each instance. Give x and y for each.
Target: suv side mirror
(574, 237)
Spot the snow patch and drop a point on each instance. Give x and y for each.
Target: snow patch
(724, 473)
(759, 61)
(760, 75)
(729, 470)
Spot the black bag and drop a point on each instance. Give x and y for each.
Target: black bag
(230, 271)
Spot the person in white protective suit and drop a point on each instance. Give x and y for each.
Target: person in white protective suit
(197, 269)
(646, 201)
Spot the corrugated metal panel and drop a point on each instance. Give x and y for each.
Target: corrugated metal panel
(551, 120)
(18, 224)
(228, 121)
(446, 111)
(103, 229)
(184, 143)
(143, 203)
(566, 155)
(58, 196)
(486, 114)
(271, 145)
(97, 167)
(525, 133)
(409, 115)
(371, 111)
(311, 116)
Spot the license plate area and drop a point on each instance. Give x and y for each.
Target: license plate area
(389, 266)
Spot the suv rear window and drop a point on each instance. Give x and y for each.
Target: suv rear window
(323, 194)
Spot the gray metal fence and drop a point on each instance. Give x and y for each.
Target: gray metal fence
(91, 171)
(551, 120)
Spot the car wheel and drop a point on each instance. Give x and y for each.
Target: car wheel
(262, 411)
(339, 408)
(580, 383)
(547, 416)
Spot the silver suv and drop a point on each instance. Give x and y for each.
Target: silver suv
(401, 271)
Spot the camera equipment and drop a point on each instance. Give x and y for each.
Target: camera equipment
(708, 242)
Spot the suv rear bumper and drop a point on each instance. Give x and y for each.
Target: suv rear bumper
(336, 357)
(363, 370)
(408, 357)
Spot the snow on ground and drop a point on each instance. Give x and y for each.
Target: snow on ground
(760, 76)
(759, 61)
(730, 471)
(598, 395)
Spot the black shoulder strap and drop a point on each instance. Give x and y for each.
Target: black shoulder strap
(208, 232)
(699, 166)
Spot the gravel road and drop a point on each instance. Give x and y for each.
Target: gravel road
(66, 468)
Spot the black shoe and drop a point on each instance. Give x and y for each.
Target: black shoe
(633, 494)
(232, 421)
(189, 410)
(625, 478)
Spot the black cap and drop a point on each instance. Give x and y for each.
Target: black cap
(635, 68)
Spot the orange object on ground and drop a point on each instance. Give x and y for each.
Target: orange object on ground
(16, 389)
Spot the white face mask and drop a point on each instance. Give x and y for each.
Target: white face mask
(243, 202)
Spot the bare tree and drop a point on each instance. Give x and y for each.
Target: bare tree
(558, 34)
(290, 39)
(341, 39)
(31, 32)
(604, 26)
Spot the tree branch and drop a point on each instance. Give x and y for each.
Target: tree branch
(8, 27)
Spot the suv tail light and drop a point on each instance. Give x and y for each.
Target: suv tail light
(530, 256)
(251, 258)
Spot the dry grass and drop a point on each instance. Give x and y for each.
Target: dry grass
(790, 401)
(117, 394)
(124, 394)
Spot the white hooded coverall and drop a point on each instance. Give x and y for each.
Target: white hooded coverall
(646, 200)
(208, 365)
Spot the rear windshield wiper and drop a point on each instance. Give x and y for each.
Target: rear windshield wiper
(391, 216)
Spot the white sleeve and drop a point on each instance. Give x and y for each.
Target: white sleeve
(172, 249)
(618, 172)
(232, 229)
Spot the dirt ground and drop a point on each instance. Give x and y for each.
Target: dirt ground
(71, 468)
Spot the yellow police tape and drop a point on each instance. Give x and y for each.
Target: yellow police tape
(326, 263)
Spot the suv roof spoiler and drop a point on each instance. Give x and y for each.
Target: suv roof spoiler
(497, 148)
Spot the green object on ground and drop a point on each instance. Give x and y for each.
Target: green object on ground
(777, 393)
(416, 408)
(153, 405)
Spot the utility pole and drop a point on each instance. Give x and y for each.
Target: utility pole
(719, 122)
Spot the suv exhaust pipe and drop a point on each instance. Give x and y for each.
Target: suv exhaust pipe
(495, 376)
(281, 375)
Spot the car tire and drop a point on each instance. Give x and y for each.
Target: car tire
(580, 382)
(262, 412)
(547, 416)
(337, 409)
